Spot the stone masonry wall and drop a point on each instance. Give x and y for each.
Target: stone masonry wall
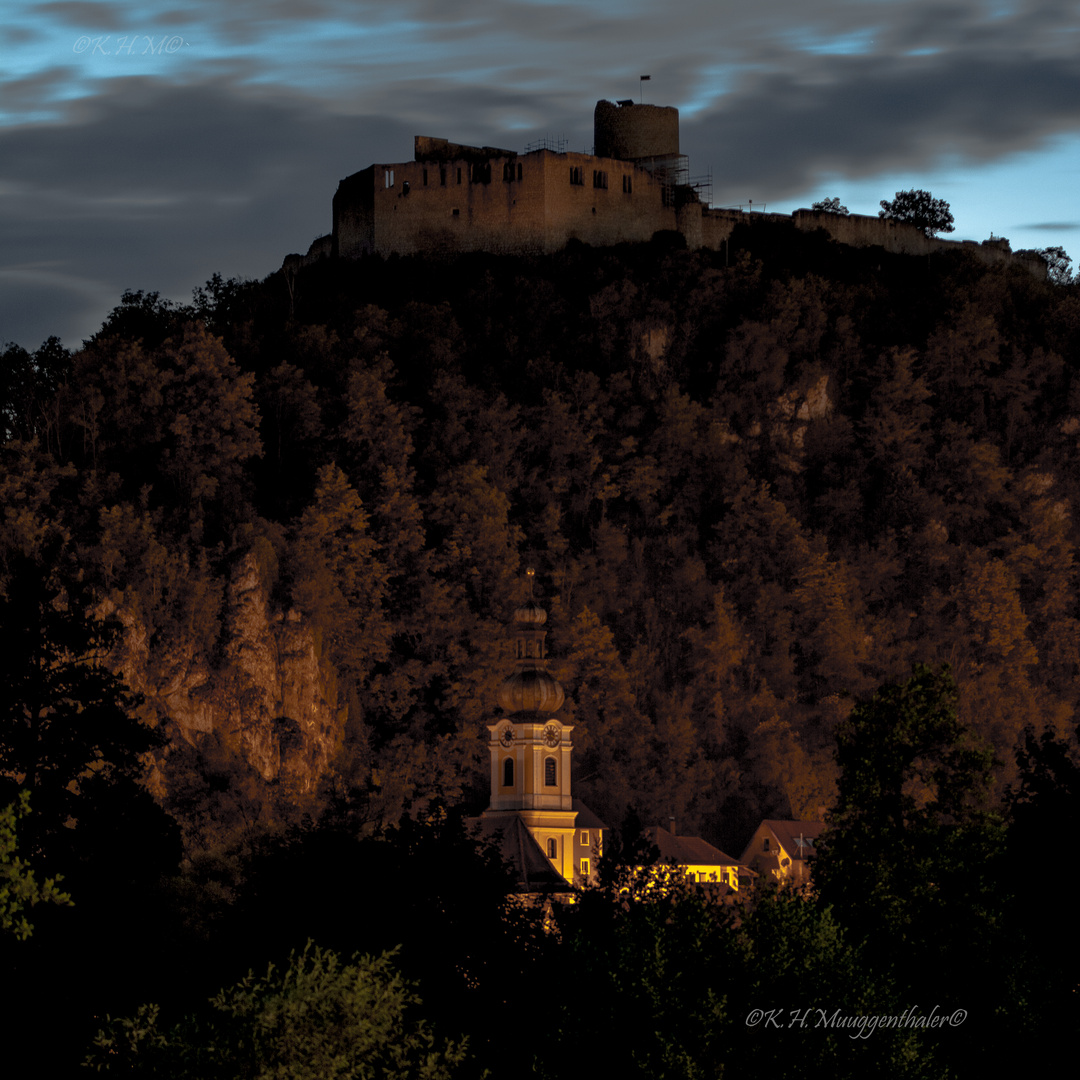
(635, 131)
(531, 203)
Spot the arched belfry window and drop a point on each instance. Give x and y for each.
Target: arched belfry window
(550, 774)
(508, 772)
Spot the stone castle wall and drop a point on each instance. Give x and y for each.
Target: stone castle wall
(535, 202)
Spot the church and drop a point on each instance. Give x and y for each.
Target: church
(550, 838)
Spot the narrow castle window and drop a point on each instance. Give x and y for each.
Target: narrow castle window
(388, 178)
(550, 775)
(442, 176)
(599, 179)
(577, 175)
(425, 178)
(459, 176)
(508, 772)
(627, 185)
(519, 172)
(553, 849)
(508, 171)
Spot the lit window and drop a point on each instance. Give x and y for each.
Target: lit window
(584, 837)
(553, 849)
(508, 772)
(584, 868)
(550, 779)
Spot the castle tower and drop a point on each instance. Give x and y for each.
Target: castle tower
(640, 133)
(530, 750)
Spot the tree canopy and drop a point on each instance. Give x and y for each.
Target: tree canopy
(830, 206)
(919, 208)
(318, 1016)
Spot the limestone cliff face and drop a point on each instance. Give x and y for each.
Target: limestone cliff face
(269, 695)
(790, 415)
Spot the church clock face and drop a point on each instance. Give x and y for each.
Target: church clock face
(552, 736)
(506, 737)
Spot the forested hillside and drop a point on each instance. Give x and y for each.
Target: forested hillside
(753, 493)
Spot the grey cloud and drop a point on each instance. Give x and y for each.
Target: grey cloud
(30, 91)
(1052, 226)
(158, 188)
(84, 14)
(861, 116)
(19, 35)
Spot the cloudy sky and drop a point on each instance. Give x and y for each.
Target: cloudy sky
(148, 145)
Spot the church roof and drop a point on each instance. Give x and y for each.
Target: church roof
(533, 870)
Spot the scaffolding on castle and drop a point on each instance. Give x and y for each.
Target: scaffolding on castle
(548, 142)
(702, 186)
(670, 172)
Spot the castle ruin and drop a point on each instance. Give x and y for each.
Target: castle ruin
(453, 198)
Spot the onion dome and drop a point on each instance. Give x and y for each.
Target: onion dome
(530, 613)
(531, 688)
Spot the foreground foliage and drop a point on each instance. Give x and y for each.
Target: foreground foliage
(317, 1017)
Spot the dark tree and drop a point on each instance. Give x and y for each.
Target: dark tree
(68, 731)
(830, 206)
(28, 382)
(916, 869)
(919, 208)
(1058, 265)
(70, 737)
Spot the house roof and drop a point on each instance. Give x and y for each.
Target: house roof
(586, 819)
(687, 850)
(798, 838)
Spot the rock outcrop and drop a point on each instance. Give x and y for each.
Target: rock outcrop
(269, 693)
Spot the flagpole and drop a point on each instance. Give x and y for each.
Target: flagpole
(641, 79)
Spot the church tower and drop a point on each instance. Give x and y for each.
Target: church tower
(530, 753)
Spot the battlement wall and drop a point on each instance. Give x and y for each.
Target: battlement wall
(429, 148)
